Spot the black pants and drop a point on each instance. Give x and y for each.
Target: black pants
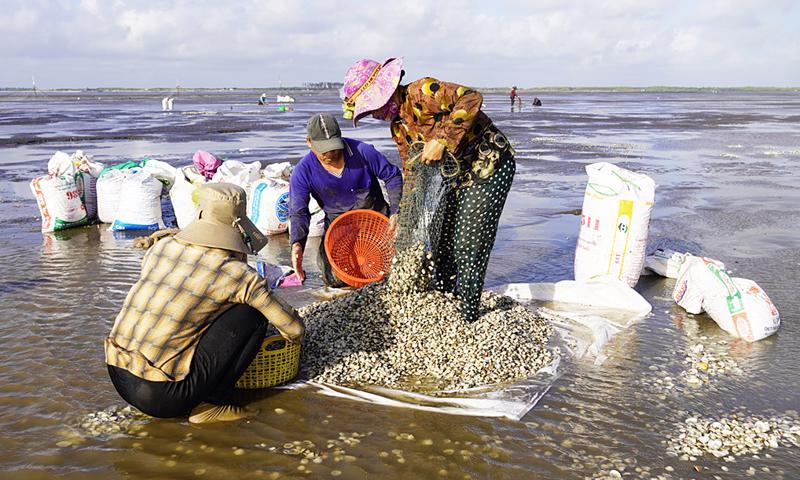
(222, 355)
(471, 217)
(325, 270)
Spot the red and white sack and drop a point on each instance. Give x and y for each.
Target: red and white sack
(614, 223)
(140, 203)
(59, 202)
(739, 306)
(238, 173)
(745, 311)
(268, 206)
(84, 170)
(698, 277)
(187, 179)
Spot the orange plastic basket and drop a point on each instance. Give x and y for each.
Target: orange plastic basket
(358, 247)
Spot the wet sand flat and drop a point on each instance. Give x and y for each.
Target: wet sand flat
(726, 166)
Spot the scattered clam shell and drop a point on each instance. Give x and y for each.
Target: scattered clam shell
(733, 436)
(707, 362)
(113, 421)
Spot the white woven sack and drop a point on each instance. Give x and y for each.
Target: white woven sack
(182, 194)
(268, 206)
(59, 202)
(614, 223)
(317, 226)
(162, 171)
(140, 203)
(60, 163)
(664, 262)
(238, 173)
(739, 306)
(281, 170)
(698, 278)
(87, 188)
(109, 186)
(745, 312)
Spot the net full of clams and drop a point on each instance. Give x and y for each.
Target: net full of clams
(403, 342)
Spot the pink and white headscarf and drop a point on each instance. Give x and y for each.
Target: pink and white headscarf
(368, 85)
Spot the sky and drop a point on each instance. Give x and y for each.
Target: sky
(271, 43)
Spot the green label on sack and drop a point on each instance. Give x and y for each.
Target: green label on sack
(64, 224)
(734, 299)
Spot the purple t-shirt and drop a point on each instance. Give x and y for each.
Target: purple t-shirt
(357, 187)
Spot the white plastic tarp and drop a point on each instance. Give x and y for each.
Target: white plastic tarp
(585, 316)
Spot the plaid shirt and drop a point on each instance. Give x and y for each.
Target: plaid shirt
(182, 290)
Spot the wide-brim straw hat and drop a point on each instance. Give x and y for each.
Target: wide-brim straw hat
(221, 221)
(368, 85)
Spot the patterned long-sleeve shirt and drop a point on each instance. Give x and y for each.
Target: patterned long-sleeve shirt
(183, 288)
(435, 110)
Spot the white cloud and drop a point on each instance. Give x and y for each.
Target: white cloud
(483, 43)
(684, 42)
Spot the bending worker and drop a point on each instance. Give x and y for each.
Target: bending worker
(195, 319)
(448, 116)
(341, 174)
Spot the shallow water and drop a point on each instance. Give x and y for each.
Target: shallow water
(726, 168)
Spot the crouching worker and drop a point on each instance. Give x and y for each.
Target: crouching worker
(196, 317)
(341, 174)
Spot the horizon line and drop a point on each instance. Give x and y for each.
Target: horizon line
(545, 88)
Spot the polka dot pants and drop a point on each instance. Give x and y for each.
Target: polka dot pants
(471, 215)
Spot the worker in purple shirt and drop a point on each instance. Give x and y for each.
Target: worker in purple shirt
(341, 174)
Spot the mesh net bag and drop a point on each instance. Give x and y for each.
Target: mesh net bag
(424, 189)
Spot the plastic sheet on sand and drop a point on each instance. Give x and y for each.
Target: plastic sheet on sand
(581, 330)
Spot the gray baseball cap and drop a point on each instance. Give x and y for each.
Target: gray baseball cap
(324, 133)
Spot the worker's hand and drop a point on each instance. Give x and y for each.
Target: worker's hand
(295, 340)
(432, 151)
(297, 261)
(297, 337)
(391, 230)
(286, 319)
